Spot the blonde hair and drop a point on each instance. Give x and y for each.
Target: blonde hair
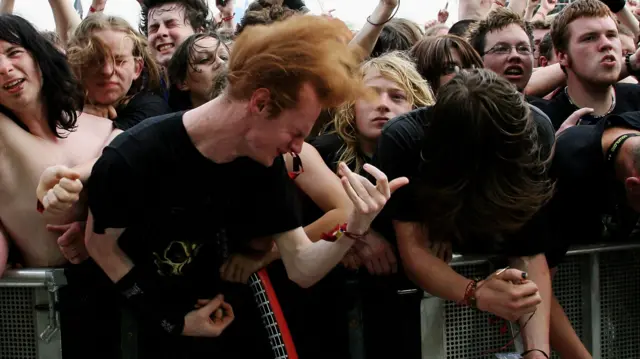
(394, 66)
(285, 55)
(85, 51)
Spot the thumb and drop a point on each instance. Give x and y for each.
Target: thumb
(213, 305)
(397, 183)
(513, 275)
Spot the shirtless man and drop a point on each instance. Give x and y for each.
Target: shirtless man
(39, 127)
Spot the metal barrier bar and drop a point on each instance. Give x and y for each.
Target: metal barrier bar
(33, 278)
(460, 260)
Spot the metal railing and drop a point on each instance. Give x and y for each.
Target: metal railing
(598, 286)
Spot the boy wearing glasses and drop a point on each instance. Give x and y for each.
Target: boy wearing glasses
(504, 40)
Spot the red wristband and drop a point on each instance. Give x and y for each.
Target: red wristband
(470, 294)
(228, 18)
(92, 9)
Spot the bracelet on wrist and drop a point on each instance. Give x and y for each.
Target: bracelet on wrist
(228, 18)
(387, 20)
(535, 350)
(341, 230)
(630, 70)
(469, 298)
(142, 291)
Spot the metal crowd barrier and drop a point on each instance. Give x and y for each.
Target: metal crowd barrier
(29, 320)
(598, 287)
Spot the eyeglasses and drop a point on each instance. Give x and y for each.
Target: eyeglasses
(297, 166)
(504, 49)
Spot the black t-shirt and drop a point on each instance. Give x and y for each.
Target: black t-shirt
(182, 212)
(559, 108)
(398, 155)
(589, 205)
(142, 106)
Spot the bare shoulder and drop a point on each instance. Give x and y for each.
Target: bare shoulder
(94, 125)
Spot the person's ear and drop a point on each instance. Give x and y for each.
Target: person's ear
(259, 102)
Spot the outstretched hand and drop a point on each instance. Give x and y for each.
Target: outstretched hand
(368, 200)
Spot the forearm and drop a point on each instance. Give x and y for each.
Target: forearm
(326, 223)
(536, 332)
(434, 275)
(106, 253)
(307, 262)
(541, 14)
(518, 6)
(6, 6)
(366, 38)
(545, 80)
(65, 17)
(528, 14)
(626, 18)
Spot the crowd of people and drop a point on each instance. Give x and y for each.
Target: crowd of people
(162, 166)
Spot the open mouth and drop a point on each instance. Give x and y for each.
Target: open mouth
(164, 47)
(609, 59)
(514, 71)
(13, 84)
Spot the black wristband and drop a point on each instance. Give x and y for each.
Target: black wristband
(535, 350)
(615, 5)
(143, 292)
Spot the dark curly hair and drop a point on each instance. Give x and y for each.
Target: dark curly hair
(263, 12)
(484, 170)
(196, 13)
(61, 92)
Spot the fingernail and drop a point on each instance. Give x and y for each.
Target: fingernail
(524, 275)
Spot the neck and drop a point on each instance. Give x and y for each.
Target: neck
(217, 129)
(35, 119)
(368, 147)
(197, 101)
(599, 98)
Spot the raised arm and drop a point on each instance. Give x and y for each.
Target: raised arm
(365, 40)
(66, 18)
(6, 6)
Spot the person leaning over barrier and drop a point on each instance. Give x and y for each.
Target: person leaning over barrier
(201, 181)
(477, 162)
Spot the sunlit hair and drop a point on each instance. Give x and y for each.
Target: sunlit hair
(393, 66)
(196, 13)
(435, 29)
(573, 11)
(285, 55)
(61, 93)
(86, 52)
(496, 20)
(397, 35)
(263, 13)
(541, 25)
(483, 172)
(432, 54)
(54, 38)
